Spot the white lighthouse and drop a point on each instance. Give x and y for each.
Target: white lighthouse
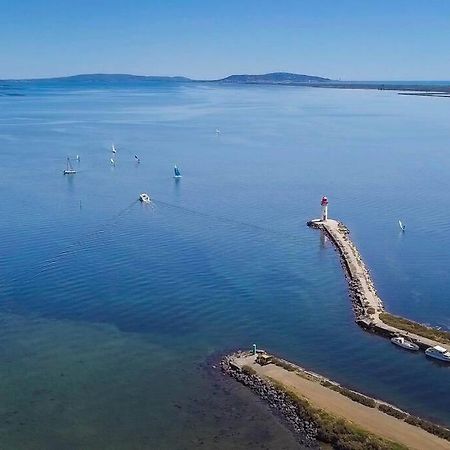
(324, 204)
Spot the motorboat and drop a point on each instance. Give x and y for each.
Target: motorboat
(144, 198)
(403, 343)
(438, 352)
(69, 169)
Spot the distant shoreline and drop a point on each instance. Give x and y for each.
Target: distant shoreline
(426, 88)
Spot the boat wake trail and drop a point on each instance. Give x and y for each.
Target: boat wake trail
(91, 237)
(77, 246)
(229, 220)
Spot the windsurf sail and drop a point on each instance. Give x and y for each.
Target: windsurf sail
(402, 227)
(113, 149)
(113, 162)
(177, 171)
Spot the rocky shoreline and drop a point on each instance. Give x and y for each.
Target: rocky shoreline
(304, 430)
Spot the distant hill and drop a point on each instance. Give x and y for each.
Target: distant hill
(273, 78)
(120, 78)
(105, 78)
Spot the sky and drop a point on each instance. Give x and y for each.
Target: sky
(339, 39)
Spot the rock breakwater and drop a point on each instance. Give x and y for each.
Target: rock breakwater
(304, 429)
(367, 305)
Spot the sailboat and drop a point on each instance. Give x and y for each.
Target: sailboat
(113, 149)
(69, 169)
(177, 173)
(112, 162)
(400, 224)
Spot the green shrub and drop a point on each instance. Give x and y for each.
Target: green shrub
(284, 364)
(437, 430)
(392, 411)
(414, 327)
(366, 401)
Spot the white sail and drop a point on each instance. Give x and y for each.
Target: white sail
(113, 149)
(402, 227)
(113, 162)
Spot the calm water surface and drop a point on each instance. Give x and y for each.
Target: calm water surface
(111, 309)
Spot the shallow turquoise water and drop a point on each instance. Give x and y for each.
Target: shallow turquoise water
(127, 301)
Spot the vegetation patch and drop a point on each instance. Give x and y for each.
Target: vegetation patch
(340, 433)
(284, 364)
(392, 411)
(437, 430)
(414, 327)
(366, 401)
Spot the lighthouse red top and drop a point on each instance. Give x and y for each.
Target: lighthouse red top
(324, 201)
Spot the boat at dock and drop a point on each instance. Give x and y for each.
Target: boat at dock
(69, 169)
(403, 343)
(438, 352)
(144, 198)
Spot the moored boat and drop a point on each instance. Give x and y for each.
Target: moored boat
(403, 343)
(438, 352)
(144, 198)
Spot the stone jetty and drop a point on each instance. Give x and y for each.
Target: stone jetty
(305, 430)
(319, 410)
(367, 304)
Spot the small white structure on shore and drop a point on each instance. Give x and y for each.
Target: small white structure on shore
(324, 204)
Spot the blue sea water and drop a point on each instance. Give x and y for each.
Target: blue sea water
(111, 309)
